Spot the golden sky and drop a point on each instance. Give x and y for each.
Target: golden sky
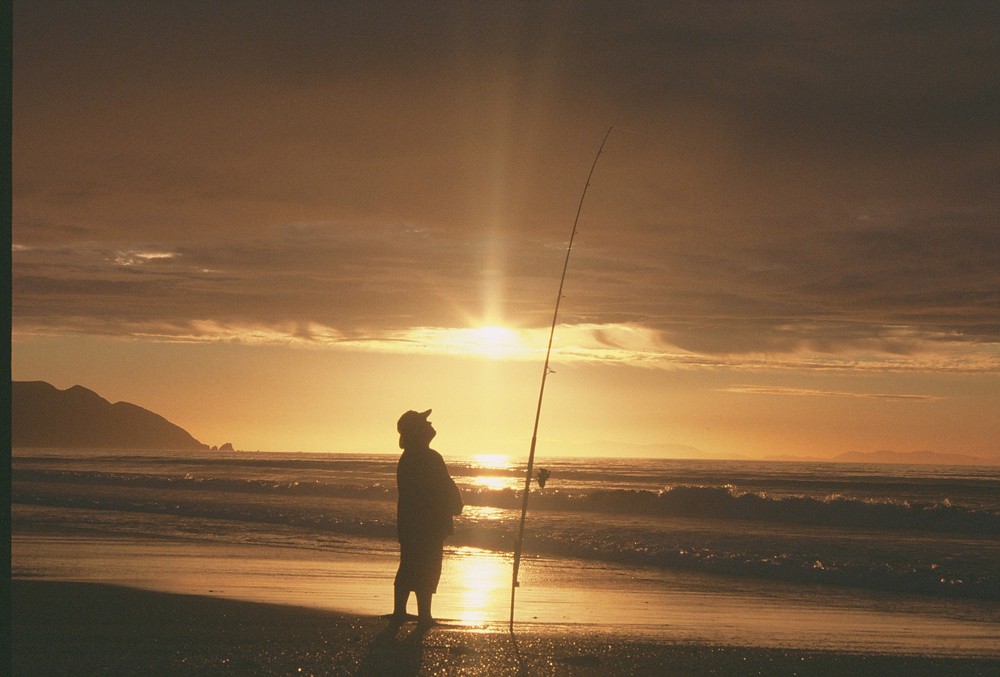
(282, 224)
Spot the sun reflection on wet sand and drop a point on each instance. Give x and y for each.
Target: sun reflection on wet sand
(480, 513)
(478, 583)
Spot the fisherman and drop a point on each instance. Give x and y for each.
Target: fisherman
(428, 499)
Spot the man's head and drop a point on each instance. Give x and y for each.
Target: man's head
(414, 429)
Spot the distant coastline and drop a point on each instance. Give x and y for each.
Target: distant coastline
(44, 416)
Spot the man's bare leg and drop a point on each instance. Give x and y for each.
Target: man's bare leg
(400, 597)
(424, 607)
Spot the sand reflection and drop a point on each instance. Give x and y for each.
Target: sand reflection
(480, 582)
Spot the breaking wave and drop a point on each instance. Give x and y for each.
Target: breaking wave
(727, 503)
(702, 502)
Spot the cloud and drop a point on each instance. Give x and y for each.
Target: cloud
(885, 296)
(807, 185)
(133, 258)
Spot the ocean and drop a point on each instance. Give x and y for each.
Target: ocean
(917, 539)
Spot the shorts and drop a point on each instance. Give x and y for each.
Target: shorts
(419, 565)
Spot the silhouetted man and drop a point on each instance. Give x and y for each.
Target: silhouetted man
(428, 498)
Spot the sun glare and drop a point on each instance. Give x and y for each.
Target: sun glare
(493, 342)
(489, 341)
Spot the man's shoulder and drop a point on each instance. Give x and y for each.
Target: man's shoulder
(438, 458)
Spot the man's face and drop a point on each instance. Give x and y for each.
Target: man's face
(419, 433)
(428, 431)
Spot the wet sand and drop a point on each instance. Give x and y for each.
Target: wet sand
(571, 596)
(61, 628)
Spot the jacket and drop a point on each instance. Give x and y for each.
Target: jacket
(428, 497)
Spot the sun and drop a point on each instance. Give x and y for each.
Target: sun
(494, 342)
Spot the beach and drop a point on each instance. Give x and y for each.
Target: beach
(245, 564)
(92, 606)
(82, 629)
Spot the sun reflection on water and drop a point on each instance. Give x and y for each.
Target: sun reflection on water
(493, 482)
(493, 461)
(497, 462)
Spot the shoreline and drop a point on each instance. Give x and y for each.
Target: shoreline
(76, 628)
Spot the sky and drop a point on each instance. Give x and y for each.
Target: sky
(282, 224)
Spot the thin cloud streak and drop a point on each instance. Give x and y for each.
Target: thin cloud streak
(628, 345)
(804, 392)
(388, 278)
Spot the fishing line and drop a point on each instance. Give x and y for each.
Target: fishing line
(541, 390)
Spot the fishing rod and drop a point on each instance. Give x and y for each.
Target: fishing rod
(541, 390)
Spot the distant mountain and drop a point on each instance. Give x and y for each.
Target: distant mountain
(44, 416)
